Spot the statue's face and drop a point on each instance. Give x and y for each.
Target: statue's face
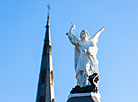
(83, 36)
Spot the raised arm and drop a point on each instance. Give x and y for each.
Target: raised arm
(73, 39)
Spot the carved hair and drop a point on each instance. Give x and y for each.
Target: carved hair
(88, 36)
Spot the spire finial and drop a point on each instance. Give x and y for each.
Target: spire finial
(48, 9)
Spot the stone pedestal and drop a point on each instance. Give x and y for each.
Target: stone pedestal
(84, 97)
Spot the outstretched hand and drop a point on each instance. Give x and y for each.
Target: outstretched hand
(73, 26)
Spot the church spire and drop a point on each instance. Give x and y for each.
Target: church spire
(45, 92)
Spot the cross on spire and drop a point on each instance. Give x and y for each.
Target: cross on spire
(48, 9)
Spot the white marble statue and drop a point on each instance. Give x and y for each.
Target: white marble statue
(86, 62)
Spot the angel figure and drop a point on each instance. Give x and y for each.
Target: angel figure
(86, 62)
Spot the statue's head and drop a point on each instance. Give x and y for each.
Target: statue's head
(84, 34)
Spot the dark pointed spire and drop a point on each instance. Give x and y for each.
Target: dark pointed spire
(47, 40)
(45, 92)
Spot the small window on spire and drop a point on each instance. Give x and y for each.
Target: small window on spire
(43, 76)
(41, 99)
(53, 100)
(51, 77)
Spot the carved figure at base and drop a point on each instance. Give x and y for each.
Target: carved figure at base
(86, 63)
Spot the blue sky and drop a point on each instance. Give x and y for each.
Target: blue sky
(22, 31)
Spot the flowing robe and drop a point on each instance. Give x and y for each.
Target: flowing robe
(85, 62)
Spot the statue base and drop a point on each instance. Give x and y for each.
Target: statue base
(84, 97)
(88, 93)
